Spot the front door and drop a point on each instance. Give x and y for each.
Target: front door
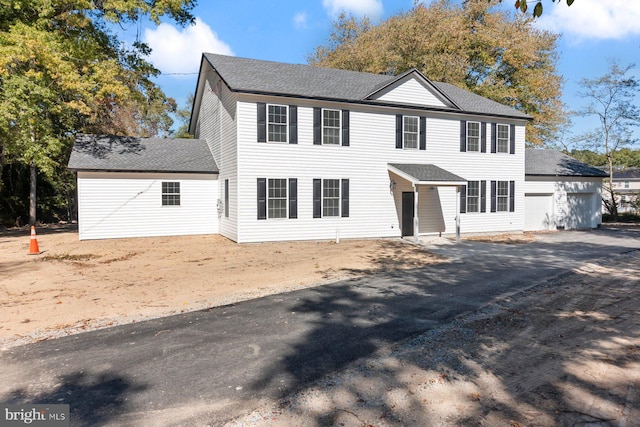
(407, 214)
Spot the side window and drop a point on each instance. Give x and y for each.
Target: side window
(410, 132)
(502, 138)
(331, 127)
(170, 194)
(277, 123)
(473, 136)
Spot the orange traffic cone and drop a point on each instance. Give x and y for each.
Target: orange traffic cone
(33, 247)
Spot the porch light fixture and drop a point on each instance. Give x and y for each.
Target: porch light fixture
(392, 185)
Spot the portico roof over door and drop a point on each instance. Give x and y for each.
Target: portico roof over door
(423, 175)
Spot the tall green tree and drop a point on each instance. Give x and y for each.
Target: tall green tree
(611, 99)
(62, 71)
(476, 46)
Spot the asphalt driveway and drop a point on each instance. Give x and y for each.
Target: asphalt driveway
(209, 366)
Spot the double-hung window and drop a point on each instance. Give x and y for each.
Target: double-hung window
(331, 127)
(502, 196)
(331, 197)
(473, 136)
(170, 193)
(410, 131)
(277, 123)
(473, 196)
(277, 198)
(502, 138)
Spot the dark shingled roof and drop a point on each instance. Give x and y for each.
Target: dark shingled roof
(429, 173)
(627, 174)
(267, 77)
(554, 163)
(124, 153)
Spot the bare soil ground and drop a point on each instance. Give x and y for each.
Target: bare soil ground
(76, 286)
(563, 353)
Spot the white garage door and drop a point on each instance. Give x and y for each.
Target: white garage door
(579, 210)
(538, 212)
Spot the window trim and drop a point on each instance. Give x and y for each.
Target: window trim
(323, 127)
(504, 196)
(286, 125)
(479, 136)
(286, 199)
(404, 132)
(165, 193)
(507, 140)
(477, 197)
(338, 198)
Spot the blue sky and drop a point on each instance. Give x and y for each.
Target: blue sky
(593, 31)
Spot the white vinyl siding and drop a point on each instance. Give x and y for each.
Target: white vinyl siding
(372, 206)
(411, 91)
(331, 127)
(116, 205)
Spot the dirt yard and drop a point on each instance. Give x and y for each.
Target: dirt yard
(76, 286)
(563, 353)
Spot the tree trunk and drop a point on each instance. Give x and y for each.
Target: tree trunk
(613, 208)
(32, 194)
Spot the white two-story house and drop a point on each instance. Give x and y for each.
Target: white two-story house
(299, 152)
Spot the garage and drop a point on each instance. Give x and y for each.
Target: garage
(538, 212)
(579, 210)
(560, 192)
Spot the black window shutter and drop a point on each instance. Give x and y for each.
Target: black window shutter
(423, 133)
(345, 198)
(463, 199)
(262, 122)
(262, 198)
(345, 128)
(512, 140)
(317, 126)
(494, 137)
(512, 198)
(317, 198)
(399, 131)
(293, 198)
(293, 124)
(226, 198)
(463, 136)
(483, 137)
(493, 196)
(483, 196)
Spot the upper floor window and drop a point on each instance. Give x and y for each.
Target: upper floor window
(277, 123)
(331, 127)
(410, 132)
(502, 138)
(170, 194)
(473, 136)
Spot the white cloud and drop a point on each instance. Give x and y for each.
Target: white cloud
(300, 20)
(593, 19)
(179, 50)
(356, 7)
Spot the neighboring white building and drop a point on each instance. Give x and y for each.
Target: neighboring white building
(626, 187)
(298, 152)
(561, 192)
